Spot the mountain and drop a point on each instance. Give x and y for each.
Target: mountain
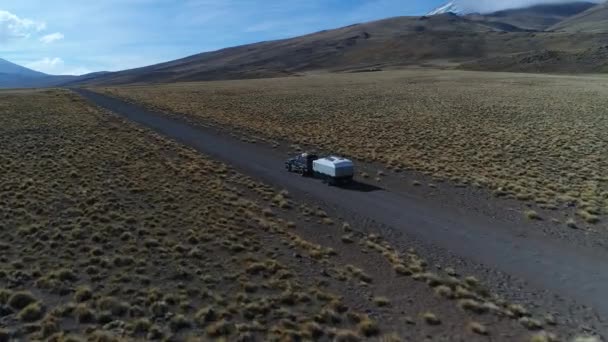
(536, 18)
(449, 7)
(592, 60)
(21, 81)
(444, 40)
(593, 20)
(9, 68)
(16, 76)
(511, 40)
(384, 43)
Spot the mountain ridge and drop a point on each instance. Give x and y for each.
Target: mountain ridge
(443, 40)
(7, 67)
(16, 76)
(594, 19)
(538, 17)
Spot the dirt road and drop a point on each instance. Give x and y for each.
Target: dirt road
(548, 264)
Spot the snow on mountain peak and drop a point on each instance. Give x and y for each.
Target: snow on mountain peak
(449, 7)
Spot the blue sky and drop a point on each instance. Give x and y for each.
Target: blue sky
(75, 37)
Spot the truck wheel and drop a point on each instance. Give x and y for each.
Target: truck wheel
(289, 169)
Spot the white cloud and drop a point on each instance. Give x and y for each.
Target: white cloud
(55, 66)
(45, 64)
(50, 38)
(13, 27)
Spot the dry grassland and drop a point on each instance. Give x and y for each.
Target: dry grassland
(539, 139)
(109, 232)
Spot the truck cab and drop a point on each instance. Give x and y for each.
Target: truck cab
(301, 164)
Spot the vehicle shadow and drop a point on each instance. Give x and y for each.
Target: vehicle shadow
(360, 187)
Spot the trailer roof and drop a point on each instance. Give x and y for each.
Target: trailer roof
(334, 161)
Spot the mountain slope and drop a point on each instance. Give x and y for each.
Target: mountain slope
(7, 67)
(440, 40)
(536, 18)
(20, 81)
(390, 41)
(16, 76)
(594, 20)
(593, 60)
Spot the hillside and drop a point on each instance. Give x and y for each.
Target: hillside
(15, 76)
(21, 81)
(9, 68)
(535, 18)
(442, 41)
(593, 60)
(385, 42)
(592, 20)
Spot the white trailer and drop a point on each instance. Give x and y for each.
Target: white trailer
(334, 169)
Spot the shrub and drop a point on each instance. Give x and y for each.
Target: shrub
(32, 312)
(179, 322)
(20, 300)
(113, 305)
(206, 315)
(83, 294)
(159, 309)
(382, 301)
(544, 336)
(530, 324)
(84, 314)
(431, 319)
(532, 215)
(347, 336)
(218, 329)
(4, 296)
(368, 328)
(472, 305)
(588, 217)
(142, 325)
(444, 291)
(66, 275)
(478, 328)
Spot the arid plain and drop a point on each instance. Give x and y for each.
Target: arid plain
(111, 232)
(539, 139)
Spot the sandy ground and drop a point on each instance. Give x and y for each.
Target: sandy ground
(521, 262)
